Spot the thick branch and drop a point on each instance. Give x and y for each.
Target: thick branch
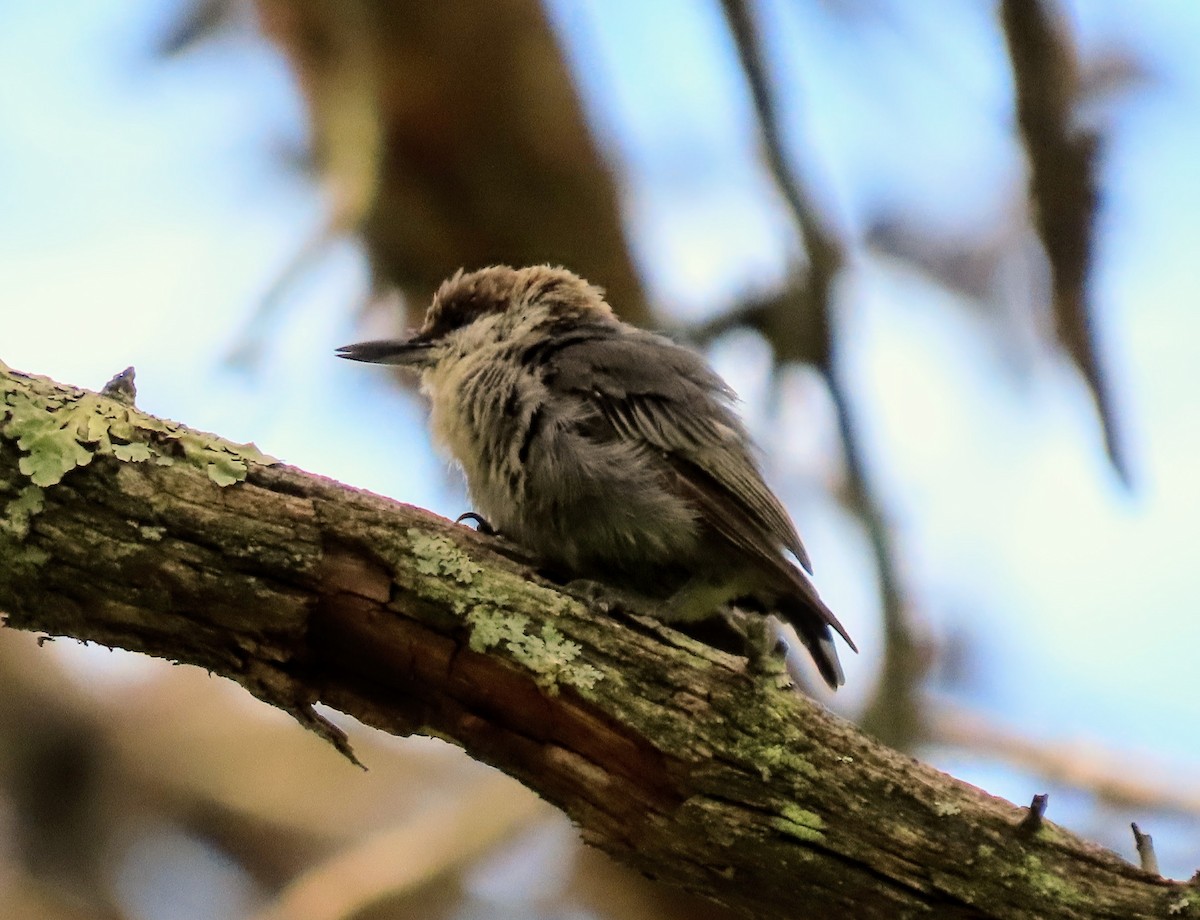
(667, 753)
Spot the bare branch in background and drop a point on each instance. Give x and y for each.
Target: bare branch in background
(1062, 186)
(438, 165)
(446, 836)
(334, 54)
(1117, 778)
(826, 253)
(799, 325)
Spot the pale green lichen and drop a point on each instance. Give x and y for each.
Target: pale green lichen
(1048, 884)
(1180, 907)
(60, 428)
(439, 556)
(18, 512)
(800, 823)
(20, 559)
(546, 652)
(762, 742)
(771, 757)
(486, 607)
(152, 532)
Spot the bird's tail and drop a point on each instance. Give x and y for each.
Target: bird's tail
(815, 624)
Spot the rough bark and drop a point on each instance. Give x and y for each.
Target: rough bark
(116, 528)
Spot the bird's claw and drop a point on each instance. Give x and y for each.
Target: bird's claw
(481, 523)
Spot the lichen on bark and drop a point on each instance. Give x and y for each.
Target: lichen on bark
(60, 428)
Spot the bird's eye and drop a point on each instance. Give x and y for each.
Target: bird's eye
(455, 314)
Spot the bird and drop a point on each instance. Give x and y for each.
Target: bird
(609, 452)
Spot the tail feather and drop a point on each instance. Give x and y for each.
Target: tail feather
(824, 653)
(812, 620)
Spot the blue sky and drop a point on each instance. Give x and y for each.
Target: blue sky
(146, 212)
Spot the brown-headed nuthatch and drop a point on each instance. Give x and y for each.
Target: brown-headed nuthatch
(609, 452)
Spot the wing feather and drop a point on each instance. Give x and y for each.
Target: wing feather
(646, 388)
(652, 390)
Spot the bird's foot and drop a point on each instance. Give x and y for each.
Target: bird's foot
(765, 650)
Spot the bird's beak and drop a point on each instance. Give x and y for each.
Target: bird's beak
(411, 352)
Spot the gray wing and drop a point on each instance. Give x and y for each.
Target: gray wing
(649, 389)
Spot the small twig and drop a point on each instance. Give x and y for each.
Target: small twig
(1127, 780)
(1145, 849)
(1032, 822)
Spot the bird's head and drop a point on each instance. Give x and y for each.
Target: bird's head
(491, 305)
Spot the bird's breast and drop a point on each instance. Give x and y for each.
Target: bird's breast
(480, 411)
(534, 471)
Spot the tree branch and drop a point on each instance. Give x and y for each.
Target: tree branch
(115, 528)
(1063, 163)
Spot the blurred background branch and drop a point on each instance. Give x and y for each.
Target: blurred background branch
(452, 135)
(1063, 150)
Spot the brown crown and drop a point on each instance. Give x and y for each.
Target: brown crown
(466, 296)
